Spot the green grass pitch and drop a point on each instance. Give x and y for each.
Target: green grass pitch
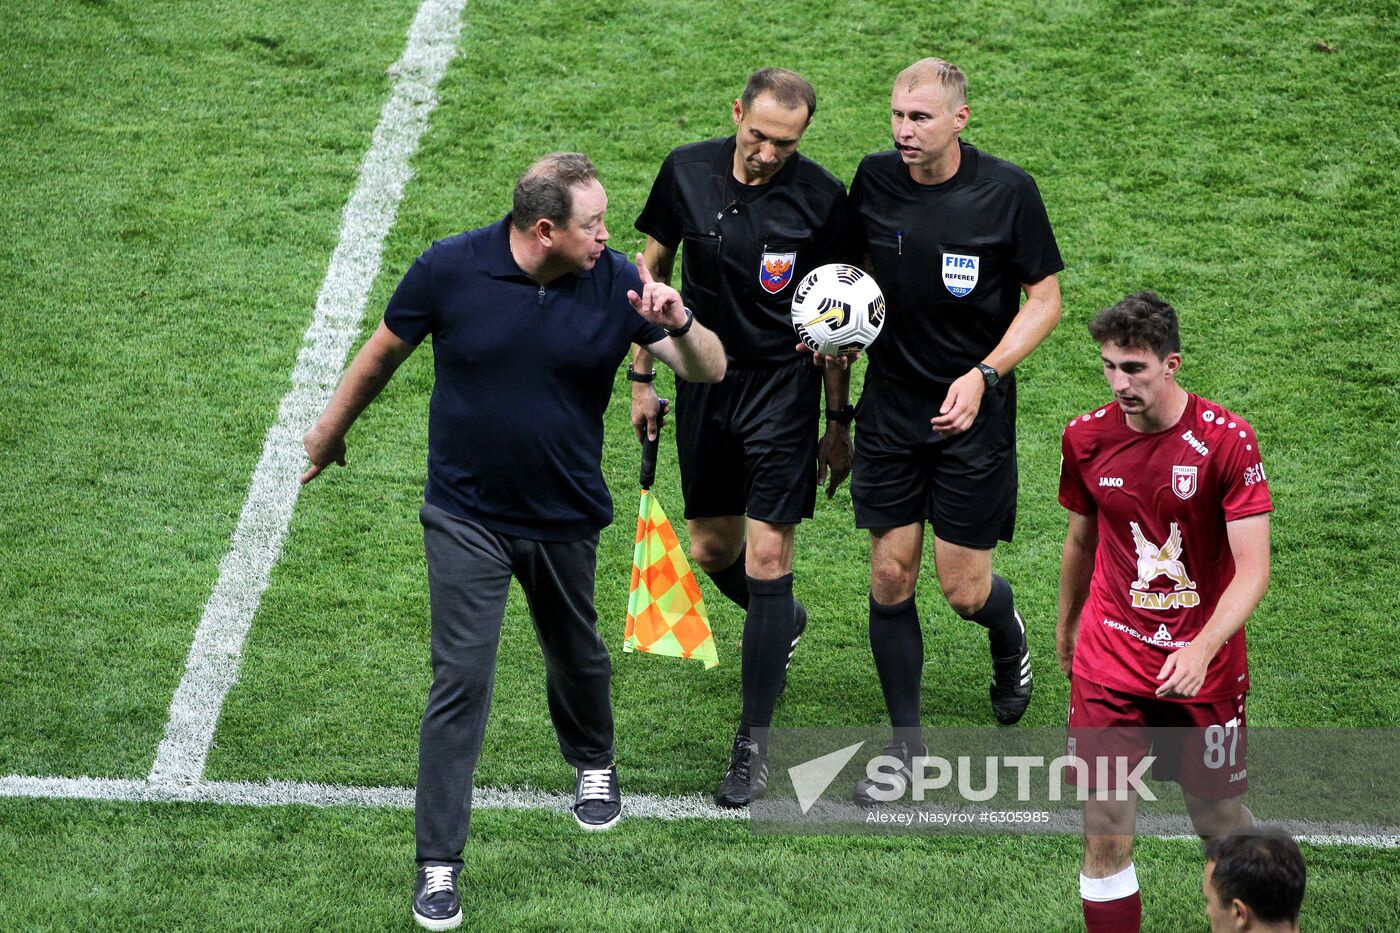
(173, 180)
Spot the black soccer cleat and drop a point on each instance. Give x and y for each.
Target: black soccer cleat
(1011, 681)
(869, 793)
(746, 779)
(436, 905)
(597, 799)
(799, 625)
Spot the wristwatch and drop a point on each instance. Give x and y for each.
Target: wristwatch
(843, 415)
(989, 375)
(634, 376)
(684, 328)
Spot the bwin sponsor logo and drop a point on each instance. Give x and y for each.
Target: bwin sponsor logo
(1195, 443)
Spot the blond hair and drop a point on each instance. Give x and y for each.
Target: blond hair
(936, 71)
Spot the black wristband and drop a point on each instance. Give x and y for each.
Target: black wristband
(843, 415)
(634, 376)
(684, 328)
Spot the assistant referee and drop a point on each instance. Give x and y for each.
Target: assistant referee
(754, 217)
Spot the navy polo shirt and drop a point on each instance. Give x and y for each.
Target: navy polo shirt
(524, 373)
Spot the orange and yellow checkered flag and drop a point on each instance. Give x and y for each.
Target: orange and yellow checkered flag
(665, 611)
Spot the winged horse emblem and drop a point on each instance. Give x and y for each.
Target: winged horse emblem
(1154, 561)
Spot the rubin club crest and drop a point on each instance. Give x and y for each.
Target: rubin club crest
(1184, 481)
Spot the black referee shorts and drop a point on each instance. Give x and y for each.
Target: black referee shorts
(748, 445)
(904, 473)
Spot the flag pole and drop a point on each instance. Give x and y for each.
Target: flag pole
(650, 445)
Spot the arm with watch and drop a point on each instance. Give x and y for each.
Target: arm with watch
(693, 353)
(834, 449)
(689, 348)
(647, 413)
(1032, 324)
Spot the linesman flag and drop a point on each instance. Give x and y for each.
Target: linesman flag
(665, 611)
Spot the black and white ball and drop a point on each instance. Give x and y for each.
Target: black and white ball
(837, 309)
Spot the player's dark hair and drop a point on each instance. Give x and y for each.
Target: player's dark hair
(546, 189)
(1265, 870)
(1141, 320)
(787, 87)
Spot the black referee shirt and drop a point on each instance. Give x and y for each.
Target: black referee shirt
(950, 258)
(745, 246)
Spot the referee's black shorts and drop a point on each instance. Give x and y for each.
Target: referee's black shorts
(904, 473)
(748, 445)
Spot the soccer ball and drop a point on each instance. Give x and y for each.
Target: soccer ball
(837, 309)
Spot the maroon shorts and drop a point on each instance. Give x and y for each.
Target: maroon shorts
(1201, 746)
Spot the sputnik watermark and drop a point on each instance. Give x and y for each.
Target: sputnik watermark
(1058, 780)
(889, 781)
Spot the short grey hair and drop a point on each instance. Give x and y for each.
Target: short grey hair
(546, 189)
(787, 87)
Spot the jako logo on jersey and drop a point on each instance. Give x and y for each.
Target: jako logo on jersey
(1184, 481)
(1164, 561)
(1114, 481)
(775, 271)
(960, 273)
(1195, 443)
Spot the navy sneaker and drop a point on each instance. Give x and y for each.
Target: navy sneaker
(597, 799)
(746, 779)
(436, 905)
(1011, 681)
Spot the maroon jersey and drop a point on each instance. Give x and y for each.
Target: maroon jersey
(1163, 558)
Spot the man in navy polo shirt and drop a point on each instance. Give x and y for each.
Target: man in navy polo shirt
(533, 315)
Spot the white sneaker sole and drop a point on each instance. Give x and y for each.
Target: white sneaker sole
(428, 923)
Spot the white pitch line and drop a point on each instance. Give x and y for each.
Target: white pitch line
(216, 654)
(283, 793)
(645, 806)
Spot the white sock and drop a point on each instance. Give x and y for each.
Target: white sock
(1099, 890)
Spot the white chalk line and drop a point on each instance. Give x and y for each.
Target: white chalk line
(284, 793)
(215, 656)
(646, 806)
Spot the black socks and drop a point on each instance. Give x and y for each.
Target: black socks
(998, 617)
(768, 629)
(731, 581)
(897, 643)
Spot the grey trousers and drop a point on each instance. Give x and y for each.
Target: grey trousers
(469, 572)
